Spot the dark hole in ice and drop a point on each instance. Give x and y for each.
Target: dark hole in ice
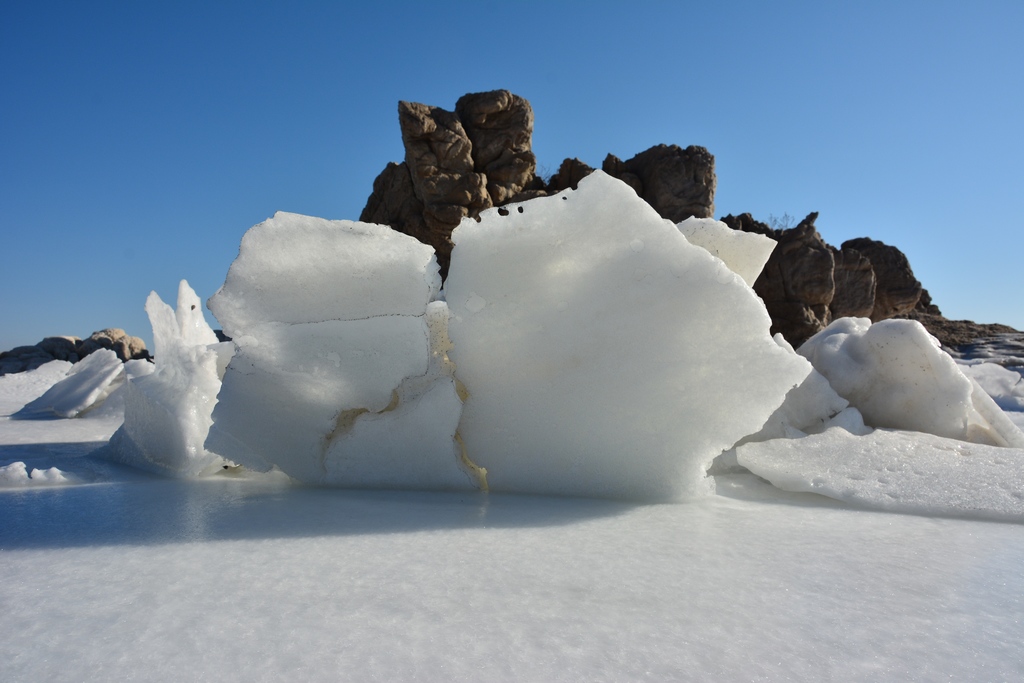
(564, 198)
(502, 211)
(193, 307)
(519, 209)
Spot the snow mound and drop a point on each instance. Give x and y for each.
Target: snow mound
(602, 353)
(334, 379)
(897, 376)
(744, 252)
(167, 412)
(17, 475)
(896, 471)
(85, 386)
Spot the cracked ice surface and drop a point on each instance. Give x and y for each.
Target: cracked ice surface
(331, 380)
(603, 354)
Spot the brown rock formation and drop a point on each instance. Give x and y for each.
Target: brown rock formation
(117, 340)
(500, 128)
(897, 291)
(855, 284)
(456, 165)
(957, 333)
(569, 175)
(72, 349)
(678, 183)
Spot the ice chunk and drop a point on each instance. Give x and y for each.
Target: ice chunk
(300, 269)
(594, 368)
(167, 412)
(86, 385)
(334, 379)
(17, 475)
(744, 252)
(896, 374)
(896, 471)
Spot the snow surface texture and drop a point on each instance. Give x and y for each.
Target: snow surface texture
(602, 353)
(744, 252)
(167, 413)
(897, 376)
(335, 379)
(896, 471)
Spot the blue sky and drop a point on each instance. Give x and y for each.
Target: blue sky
(138, 141)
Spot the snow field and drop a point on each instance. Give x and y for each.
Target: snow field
(242, 580)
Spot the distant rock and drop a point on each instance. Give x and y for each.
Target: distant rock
(678, 183)
(456, 165)
(62, 348)
(855, 284)
(73, 349)
(23, 358)
(117, 340)
(897, 291)
(957, 334)
(569, 175)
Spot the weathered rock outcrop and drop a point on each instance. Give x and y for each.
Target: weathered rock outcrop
(797, 283)
(456, 164)
(855, 284)
(678, 183)
(569, 175)
(897, 290)
(459, 163)
(72, 349)
(117, 340)
(500, 128)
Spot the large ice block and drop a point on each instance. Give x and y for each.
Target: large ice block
(603, 354)
(332, 380)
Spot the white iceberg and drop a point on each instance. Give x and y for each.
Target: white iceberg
(167, 413)
(332, 379)
(602, 353)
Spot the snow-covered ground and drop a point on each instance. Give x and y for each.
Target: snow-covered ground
(125, 575)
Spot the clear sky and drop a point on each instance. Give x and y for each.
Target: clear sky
(139, 140)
